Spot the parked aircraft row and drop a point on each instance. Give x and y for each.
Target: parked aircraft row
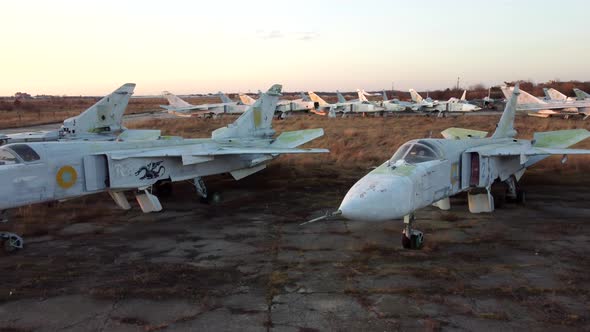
(94, 153)
(315, 104)
(554, 103)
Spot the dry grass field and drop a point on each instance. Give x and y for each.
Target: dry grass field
(245, 263)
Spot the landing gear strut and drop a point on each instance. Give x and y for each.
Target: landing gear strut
(411, 238)
(200, 187)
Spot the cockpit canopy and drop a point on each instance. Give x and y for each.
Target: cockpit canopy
(16, 153)
(414, 153)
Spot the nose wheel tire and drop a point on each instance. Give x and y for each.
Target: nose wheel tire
(11, 242)
(414, 241)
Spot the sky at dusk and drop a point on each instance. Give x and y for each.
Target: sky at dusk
(92, 47)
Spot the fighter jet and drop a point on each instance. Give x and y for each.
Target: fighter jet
(181, 108)
(387, 105)
(321, 107)
(545, 109)
(284, 106)
(102, 121)
(425, 172)
(442, 107)
(50, 171)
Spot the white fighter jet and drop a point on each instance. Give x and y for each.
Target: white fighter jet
(427, 172)
(442, 107)
(49, 171)
(321, 107)
(284, 106)
(102, 121)
(393, 105)
(544, 109)
(181, 108)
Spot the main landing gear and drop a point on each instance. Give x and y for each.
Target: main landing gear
(411, 238)
(10, 241)
(201, 189)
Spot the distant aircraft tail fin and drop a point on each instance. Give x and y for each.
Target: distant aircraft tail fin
(304, 97)
(464, 96)
(340, 97)
(385, 96)
(317, 99)
(247, 100)
(552, 94)
(104, 116)
(581, 94)
(362, 95)
(256, 122)
(224, 98)
(523, 97)
(505, 128)
(416, 96)
(174, 100)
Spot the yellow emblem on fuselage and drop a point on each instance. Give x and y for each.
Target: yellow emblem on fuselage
(66, 177)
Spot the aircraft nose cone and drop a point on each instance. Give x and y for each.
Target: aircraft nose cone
(378, 198)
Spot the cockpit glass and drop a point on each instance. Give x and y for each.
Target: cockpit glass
(26, 153)
(414, 153)
(6, 157)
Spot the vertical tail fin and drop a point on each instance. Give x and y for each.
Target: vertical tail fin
(247, 100)
(340, 97)
(256, 122)
(104, 116)
(581, 95)
(175, 101)
(362, 95)
(385, 96)
(523, 97)
(464, 96)
(505, 128)
(317, 99)
(304, 97)
(224, 99)
(553, 94)
(416, 96)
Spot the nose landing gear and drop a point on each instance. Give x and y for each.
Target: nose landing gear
(411, 238)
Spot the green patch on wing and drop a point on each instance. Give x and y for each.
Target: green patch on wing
(560, 138)
(402, 170)
(291, 139)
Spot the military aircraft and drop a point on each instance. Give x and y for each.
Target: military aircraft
(181, 108)
(49, 171)
(321, 107)
(425, 172)
(387, 105)
(102, 121)
(545, 109)
(284, 106)
(442, 107)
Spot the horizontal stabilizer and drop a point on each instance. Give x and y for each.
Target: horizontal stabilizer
(292, 139)
(461, 133)
(559, 138)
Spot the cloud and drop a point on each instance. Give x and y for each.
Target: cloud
(278, 34)
(273, 34)
(306, 36)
